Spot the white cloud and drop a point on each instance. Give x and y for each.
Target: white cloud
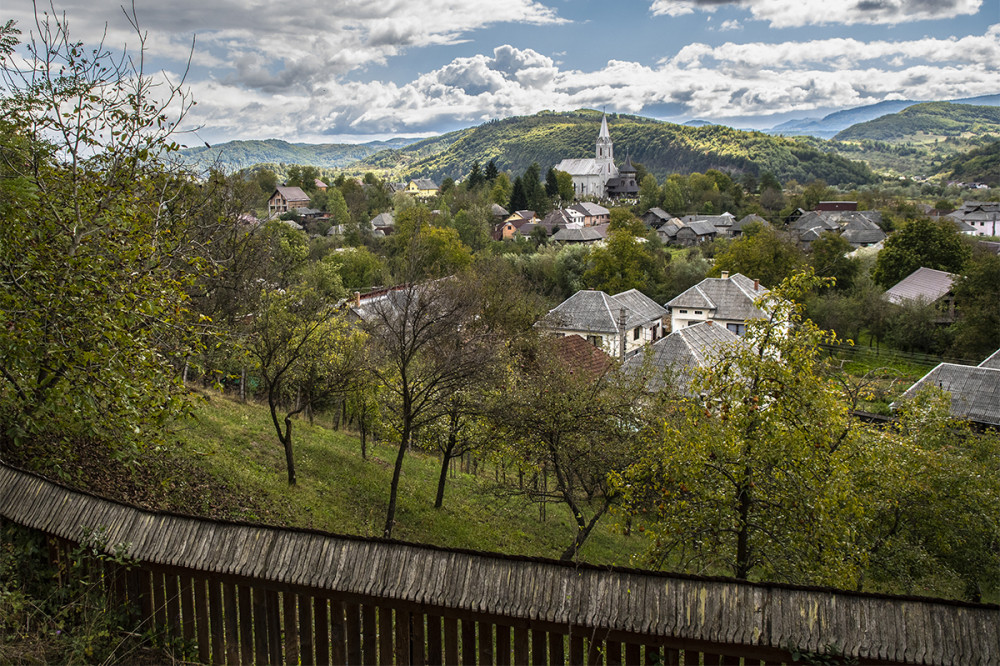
(796, 13)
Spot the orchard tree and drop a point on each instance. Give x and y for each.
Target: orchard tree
(96, 252)
(977, 299)
(624, 262)
(752, 475)
(761, 253)
(924, 243)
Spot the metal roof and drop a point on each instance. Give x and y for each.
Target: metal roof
(926, 284)
(975, 390)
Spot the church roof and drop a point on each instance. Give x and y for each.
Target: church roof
(627, 167)
(581, 166)
(604, 128)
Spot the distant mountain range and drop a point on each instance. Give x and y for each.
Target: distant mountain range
(829, 126)
(244, 154)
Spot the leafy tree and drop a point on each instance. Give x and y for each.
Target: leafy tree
(624, 262)
(304, 355)
(977, 300)
(358, 268)
(566, 190)
(672, 199)
(755, 479)
(337, 206)
(574, 424)
(761, 253)
(551, 183)
(534, 191)
(828, 255)
(921, 242)
(502, 191)
(649, 193)
(421, 251)
(304, 177)
(96, 248)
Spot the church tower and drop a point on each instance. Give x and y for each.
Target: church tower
(605, 148)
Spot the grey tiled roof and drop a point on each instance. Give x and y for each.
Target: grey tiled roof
(992, 361)
(731, 298)
(582, 235)
(292, 193)
(753, 217)
(583, 166)
(924, 284)
(678, 354)
(975, 390)
(641, 304)
(383, 220)
(590, 209)
(425, 184)
(594, 311)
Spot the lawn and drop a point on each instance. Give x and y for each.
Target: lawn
(339, 491)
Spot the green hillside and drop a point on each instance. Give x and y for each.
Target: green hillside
(664, 148)
(933, 120)
(243, 154)
(981, 165)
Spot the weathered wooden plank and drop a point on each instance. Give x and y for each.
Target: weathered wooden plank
(450, 640)
(260, 632)
(352, 626)
(231, 621)
(522, 645)
(307, 650)
(385, 650)
(216, 623)
(402, 643)
(503, 645)
(435, 651)
(338, 634)
(486, 643)
(557, 650)
(418, 652)
(187, 607)
(290, 620)
(172, 591)
(468, 642)
(369, 634)
(321, 613)
(577, 654)
(274, 642)
(201, 619)
(633, 654)
(614, 653)
(245, 602)
(159, 600)
(540, 647)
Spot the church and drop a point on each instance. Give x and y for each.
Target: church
(598, 176)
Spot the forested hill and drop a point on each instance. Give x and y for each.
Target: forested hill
(243, 154)
(981, 165)
(936, 119)
(663, 148)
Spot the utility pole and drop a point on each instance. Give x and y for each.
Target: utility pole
(621, 326)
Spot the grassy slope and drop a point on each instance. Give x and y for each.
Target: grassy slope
(338, 491)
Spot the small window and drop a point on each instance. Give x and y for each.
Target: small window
(635, 334)
(684, 311)
(697, 311)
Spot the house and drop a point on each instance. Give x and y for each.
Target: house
(602, 320)
(592, 213)
(654, 218)
(320, 185)
(722, 223)
(728, 301)
(926, 285)
(982, 218)
(862, 232)
(383, 222)
(576, 353)
(974, 389)
(695, 233)
(739, 225)
(578, 235)
(285, 199)
(675, 358)
(561, 218)
(498, 212)
(422, 188)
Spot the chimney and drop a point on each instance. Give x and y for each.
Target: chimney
(708, 321)
(725, 275)
(756, 285)
(357, 299)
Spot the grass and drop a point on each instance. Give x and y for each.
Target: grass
(338, 491)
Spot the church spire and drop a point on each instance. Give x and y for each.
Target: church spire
(605, 148)
(604, 128)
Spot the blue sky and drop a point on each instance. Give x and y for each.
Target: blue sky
(353, 70)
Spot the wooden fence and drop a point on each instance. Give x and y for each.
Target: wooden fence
(251, 594)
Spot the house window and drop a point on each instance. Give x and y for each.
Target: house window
(684, 311)
(595, 340)
(697, 311)
(635, 334)
(738, 329)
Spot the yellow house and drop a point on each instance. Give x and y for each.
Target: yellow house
(422, 188)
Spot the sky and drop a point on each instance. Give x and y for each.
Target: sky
(348, 71)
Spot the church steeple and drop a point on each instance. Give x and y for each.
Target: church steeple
(605, 148)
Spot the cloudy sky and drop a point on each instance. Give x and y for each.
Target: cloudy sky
(354, 70)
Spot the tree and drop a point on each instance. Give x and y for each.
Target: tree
(649, 193)
(576, 424)
(96, 249)
(624, 262)
(491, 172)
(551, 183)
(921, 242)
(754, 478)
(566, 190)
(828, 255)
(761, 253)
(304, 354)
(476, 177)
(427, 343)
(518, 196)
(977, 301)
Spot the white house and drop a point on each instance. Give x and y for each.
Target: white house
(602, 319)
(728, 301)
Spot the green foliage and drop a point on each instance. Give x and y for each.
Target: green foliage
(980, 165)
(623, 262)
(921, 242)
(936, 118)
(977, 301)
(755, 478)
(96, 249)
(761, 253)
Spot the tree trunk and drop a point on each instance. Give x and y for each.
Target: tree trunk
(390, 514)
(743, 536)
(363, 431)
(289, 459)
(243, 384)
